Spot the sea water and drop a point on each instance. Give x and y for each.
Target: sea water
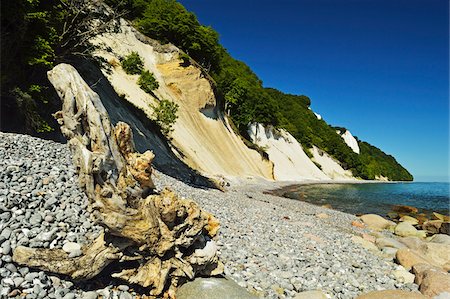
(377, 198)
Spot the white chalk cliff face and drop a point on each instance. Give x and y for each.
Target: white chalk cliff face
(330, 166)
(289, 160)
(350, 140)
(204, 141)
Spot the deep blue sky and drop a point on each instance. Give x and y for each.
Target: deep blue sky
(377, 67)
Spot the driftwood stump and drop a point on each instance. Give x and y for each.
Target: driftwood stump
(169, 239)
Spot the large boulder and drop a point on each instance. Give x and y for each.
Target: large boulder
(219, 288)
(392, 294)
(419, 270)
(440, 238)
(405, 209)
(438, 254)
(409, 219)
(434, 283)
(408, 258)
(389, 242)
(411, 242)
(403, 276)
(405, 229)
(432, 226)
(376, 222)
(365, 243)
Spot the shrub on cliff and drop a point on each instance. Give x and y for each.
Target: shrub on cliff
(147, 82)
(165, 115)
(132, 64)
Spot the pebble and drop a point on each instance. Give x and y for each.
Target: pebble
(260, 234)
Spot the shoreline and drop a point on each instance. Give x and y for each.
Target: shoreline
(274, 247)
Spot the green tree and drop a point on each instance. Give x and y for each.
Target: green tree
(165, 115)
(132, 64)
(147, 82)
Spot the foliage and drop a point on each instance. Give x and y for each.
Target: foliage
(132, 64)
(165, 115)
(377, 163)
(147, 82)
(27, 108)
(35, 35)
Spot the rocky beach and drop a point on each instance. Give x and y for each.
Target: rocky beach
(274, 247)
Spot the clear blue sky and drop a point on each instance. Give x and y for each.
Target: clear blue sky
(377, 67)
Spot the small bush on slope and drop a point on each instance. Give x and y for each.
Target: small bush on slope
(165, 115)
(147, 82)
(132, 64)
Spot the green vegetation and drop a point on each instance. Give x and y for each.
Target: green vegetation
(165, 115)
(377, 163)
(147, 82)
(132, 64)
(36, 34)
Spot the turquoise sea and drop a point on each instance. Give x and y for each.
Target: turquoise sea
(378, 198)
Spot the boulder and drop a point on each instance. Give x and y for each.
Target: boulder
(409, 219)
(405, 229)
(311, 295)
(432, 226)
(440, 238)
(445, 228)
(409, 257)
(389, 242)
(405, 209)
(403, 276)
(411, 242)
(438, 254)
(376, 222)
(365, 243)
(441, 217)
(419, 270)
(206, 288)
(392, 294)
(434, 283)
(389, 252)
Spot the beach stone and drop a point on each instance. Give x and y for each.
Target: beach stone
(311, 295)
(443, 295)
(438, 254)
(403, 276)
(392, 294)
(219, 288)
(389, 242)
(376, 222)
(405, 229)
(322, 216)
(432, 226)
(445, 228)
(389, 252)
(90, 295)
(409, 219)
(405, 209)
(70, 247)
(409, 257)
(365, 243)
(419, 270)
(441, 217)
(357, 223)
(434, 283)
(440, 238)
(412, 242)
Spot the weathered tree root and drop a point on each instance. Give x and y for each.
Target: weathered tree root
(170, 237)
